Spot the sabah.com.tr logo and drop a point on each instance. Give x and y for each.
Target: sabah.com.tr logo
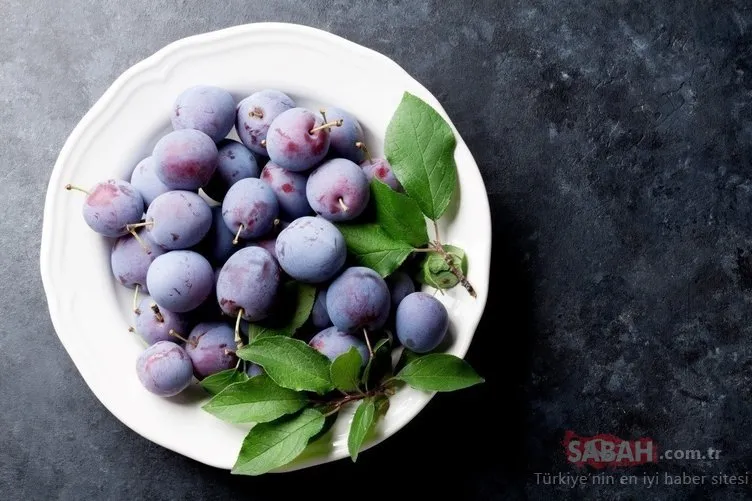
(603, 450)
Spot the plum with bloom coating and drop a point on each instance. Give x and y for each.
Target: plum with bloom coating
(290, 189)
(338, 190)
(164, 369)
(358, 299)
(248, 281)
(319, 315)
(144, 178)
(211, 346)
(332, 342)
(178, 219)
(256, 113)
(112, 205)
(186, 159)
(344, 140)
(295, 142)
(250, 208)
(422, 322)
(180, 280)
(235, 162)
(130, 261)
(208, 109)
(311, 249)
(400, 285)
(381, 169)
(154, 324)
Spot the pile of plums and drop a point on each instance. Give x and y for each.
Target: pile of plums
(210, 228)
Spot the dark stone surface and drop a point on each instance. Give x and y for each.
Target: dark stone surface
(615, 140)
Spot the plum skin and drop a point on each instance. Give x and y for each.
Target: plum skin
(248, 281)
(186, 159)
(400, 286)
(290, 189)
(211, 347)
(153, 328)
(180, 280)
(250, 202)
(338, 190)
(421, 322)
(112, 205)
(252, 129)
(319, 315)
(290, 142)
(311, 249)
(164, 369)
(332, 343)
(345, 138)
(208, 109)
(179, 219)
(234, 162)
(358, 299)
(130, 262)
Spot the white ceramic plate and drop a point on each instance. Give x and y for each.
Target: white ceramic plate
(90, 311)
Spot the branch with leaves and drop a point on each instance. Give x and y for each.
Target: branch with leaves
(301, 391)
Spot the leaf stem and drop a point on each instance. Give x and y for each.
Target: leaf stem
(436, 231)
(455, 271)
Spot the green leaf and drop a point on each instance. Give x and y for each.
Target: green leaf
(374, 248)
(361, 425)
(399, 215)
(420, 147)
(221, 380)
(295, 306)
(291, 363)
(439, 372)
(382, 405)
(434, 270)
(271, 445)
(257, 400)
(345, 370)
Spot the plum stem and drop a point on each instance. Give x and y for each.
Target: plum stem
(238, 339)
(455, 271)
(135, 301)
(256, 112)
(157, 314)
(368, 343)
(143, 245)
(343, 205)
(133, 226)
(362, 146)
(77, 188)
(263, 143)
(176, 334)
(237, 235)
(131, 329)
(328, 125)
(323, 113)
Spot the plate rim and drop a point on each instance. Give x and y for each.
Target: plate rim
(153, 63)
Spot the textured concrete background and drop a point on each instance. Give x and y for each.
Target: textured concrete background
(615, 140)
